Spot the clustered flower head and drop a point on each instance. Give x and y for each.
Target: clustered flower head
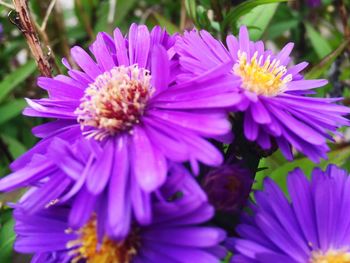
(132, 168)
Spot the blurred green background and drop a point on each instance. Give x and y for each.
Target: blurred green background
(320, 34)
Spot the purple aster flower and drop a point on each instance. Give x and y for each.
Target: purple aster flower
(314, 3)
(312, 227)
(126, 101)
(228, 187)
(62, 175)
(271, 95)
(121, 123)
(175, 235)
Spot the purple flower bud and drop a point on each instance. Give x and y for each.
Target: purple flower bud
(314, 3)
(228, 187)
(1, 31)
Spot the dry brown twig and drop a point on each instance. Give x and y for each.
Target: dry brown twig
(27, 26)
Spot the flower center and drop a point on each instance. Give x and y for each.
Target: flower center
(90, 249)
(115, 101)
(330, 257)
(263, 78)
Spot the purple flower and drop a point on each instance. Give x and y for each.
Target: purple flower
(175, 235)
(312, 227)
(121, 123)
(62, 175)
(127, 102)
(271, 95)
(314, 3)
(228, 187)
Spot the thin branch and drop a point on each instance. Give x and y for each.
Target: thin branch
(27, 26)
(60, 28)
(183, 15)
(6, 5)
(344, 18)
(47, 15)
(85, 19)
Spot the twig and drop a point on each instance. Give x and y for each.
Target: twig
(6, 5)
(61, 32)
(344, 18)
(47, 15)
(183, 15)
(85, 18)
(27, 27)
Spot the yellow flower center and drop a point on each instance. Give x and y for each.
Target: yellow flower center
(330, 257)
(263, 78)
(88, 248)
(114, 102)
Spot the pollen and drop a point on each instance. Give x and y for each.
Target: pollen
(261, 76)
(115, 102)
(88, 248)
(331, 256)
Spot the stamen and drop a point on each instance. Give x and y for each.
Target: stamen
(332, 256)
(266, 78)
(89, 248)
(114, 102)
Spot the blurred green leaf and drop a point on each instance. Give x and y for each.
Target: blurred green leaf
(16, 77)
(123, 7)
(276, 30)
(244, 8)
(191, 9)
(15, 147)
(318, 42)
(258, 19)
(326, 62)
(279, 174)
(7, 237)
(162, 21)
(11, 109)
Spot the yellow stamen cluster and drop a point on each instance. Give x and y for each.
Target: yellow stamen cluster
(115, 101)
(263, 77)
(331, 256)
(88, 248)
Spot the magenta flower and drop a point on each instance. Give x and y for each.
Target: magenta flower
(272, 96)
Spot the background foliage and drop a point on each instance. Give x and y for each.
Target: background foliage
(321, 36)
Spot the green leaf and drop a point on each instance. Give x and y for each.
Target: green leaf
(258, 19)
(190, 6)
(11, 110)
(7, 237)
(279, 175)
(16, 77)
(244, 8)
(279, 28)
(318, 42)
(122, 9)
(326, 62)
(162, 21)
(15, 147)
